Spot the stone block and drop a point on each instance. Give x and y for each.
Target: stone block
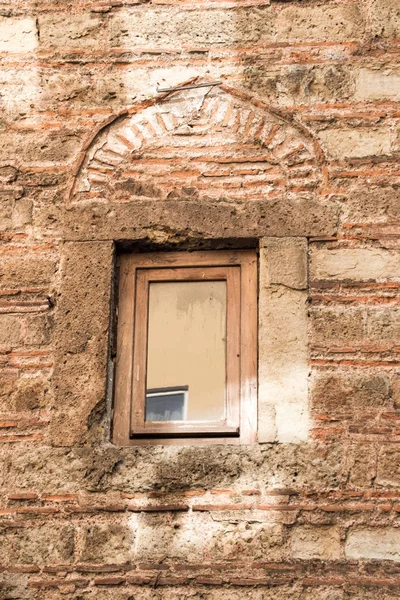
(8, 385)
(156, 536)
(379, 84)
(142, 219)
(8, 175)
(355, 264)
(41, 545)
(356, 143)
(388, 473)
(343, 392)
(361, 465)
(9, 195)
(302, 466)
(374, 543)
(312, 23)
(36, 330)
(360, 326)
(286, 262)
(299, 83)
(105, 468)
(156, 27)
(83, 31)
(106, 543)
(283, 343)
(383, 325)
(385, 16)
(373, 204)
(21, 90)
(50, 470)
(308, 542)
(22, 394)
(86, 279)
(10, 330)
(6, 205)
(38, 147)
(27, 269)
(22, 213)
(141, 83)
(198, 536)
(81, 336)
(395, 388)
(248, 541)
(77, 86)
(18, 35)
(31, 394)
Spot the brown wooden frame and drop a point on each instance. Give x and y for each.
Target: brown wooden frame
(239, 269)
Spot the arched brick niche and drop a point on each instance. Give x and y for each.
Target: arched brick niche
(209, 143)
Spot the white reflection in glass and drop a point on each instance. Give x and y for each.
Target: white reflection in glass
(186, 352)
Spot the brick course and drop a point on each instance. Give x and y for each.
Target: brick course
(296, 150)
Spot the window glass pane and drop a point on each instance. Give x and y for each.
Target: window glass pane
(186, 353)
(166, 404)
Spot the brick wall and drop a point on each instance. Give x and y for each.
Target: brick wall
(300, 141)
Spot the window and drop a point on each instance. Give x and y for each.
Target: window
(186, 348)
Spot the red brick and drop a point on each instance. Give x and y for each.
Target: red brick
(23, 496)
(158, 508)
(51, 583)
(60, 497)
(323, 581)
(209, 581)
(109, 580)
(105, 568)
(39, 510)
(24, 569)
(260, 581)
(140, 579)
(211, 507)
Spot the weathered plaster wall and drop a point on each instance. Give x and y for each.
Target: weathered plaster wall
(305, 162)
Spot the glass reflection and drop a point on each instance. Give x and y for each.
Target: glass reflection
(186, 353)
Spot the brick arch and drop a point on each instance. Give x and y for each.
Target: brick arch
(210, 143)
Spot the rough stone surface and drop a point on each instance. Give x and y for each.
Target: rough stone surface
(78, 31)
(36, 148)
(386, 18)
(316, 542)
(24, 268)
(181, 220)
(38, 544)
(286, 262)
(320, 23)
(296, 154)
(378, 543)
(388, 472)
(81, 346)
(356, 143)
(106, 543)
(18, 35)
(355, 264)
(377, 85)
(283, 341)
(157, 27)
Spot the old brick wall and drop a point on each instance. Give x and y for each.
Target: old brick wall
(297, 149)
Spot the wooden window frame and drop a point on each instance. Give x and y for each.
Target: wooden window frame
(136, 271)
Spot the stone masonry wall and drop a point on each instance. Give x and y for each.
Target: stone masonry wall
(295, 152)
